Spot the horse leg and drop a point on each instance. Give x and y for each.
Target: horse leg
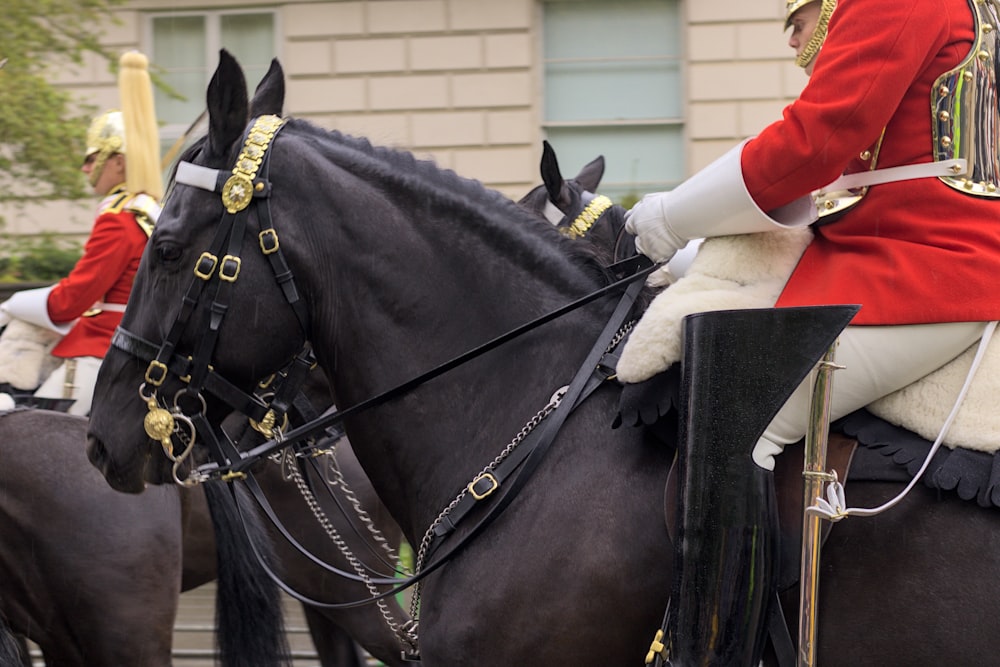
(334, 646)
(199, 561)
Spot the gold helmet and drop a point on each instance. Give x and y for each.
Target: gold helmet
(105, 137)
(133, 131)
(819, 34)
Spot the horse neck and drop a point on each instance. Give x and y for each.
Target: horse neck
(423, 292)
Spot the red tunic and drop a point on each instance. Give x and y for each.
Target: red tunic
(911, 252)
(104, 273)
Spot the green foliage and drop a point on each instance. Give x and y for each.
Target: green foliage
(41, 129)
(42, 259)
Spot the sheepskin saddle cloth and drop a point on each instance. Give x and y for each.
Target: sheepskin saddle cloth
(25, 355)
(749, 271)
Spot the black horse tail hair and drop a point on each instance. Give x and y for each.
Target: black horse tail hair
(248, 605)
(13, 650)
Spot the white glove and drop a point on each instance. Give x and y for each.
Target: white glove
(648, 223)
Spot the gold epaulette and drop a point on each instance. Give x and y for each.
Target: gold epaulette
(115, 202)
(146, 211)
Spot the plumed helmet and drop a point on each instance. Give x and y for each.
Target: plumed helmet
(819, 34)
(105, 137)
(133, 131)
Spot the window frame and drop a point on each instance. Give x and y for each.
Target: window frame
(679, 122)
(213, 43)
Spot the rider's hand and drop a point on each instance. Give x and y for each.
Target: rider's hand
(648, 222)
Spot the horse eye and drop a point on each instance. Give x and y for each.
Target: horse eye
(168, 253)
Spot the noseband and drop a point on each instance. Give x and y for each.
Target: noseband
(212, 285)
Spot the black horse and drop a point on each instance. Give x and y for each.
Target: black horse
(575, 208)
(93, 576)
(400, 266)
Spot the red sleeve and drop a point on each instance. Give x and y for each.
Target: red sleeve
(874, 52)
(106, 255)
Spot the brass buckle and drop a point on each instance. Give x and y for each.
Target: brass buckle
(488, 477)
(186, 379)
(268, 240)
(201, 270)
(229, 269)
(159, 366)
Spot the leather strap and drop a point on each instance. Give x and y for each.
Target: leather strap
(590, 376)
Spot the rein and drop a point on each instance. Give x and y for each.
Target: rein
(247, 183)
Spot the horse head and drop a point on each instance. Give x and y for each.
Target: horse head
(573, 206)
(388, 265)
(558, 199)
(197, 249)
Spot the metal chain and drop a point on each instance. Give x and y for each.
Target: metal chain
(532, 424)
(335, 477)
(401, 632)
(425, 543)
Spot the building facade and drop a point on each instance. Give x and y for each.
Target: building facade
(659, 87)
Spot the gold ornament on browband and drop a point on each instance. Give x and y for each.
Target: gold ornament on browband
(238, 190)
(591, 214)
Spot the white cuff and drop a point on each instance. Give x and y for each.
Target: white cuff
(715, 202)
(32, 306)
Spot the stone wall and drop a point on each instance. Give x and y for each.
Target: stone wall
(460, 80)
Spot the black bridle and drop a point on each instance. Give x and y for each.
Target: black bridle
(215, 272)
(212, 286)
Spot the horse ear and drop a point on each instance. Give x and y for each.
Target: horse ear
(227, 105)
(269, 98)
(551, 175)
(591, 174)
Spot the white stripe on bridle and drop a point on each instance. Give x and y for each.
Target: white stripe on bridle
(200, 177)
(552, 212)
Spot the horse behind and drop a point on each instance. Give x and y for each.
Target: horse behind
(401, 266)
(88, 574)
(93, 576)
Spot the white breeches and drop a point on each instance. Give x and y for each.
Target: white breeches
(79, 387)
(877, 361)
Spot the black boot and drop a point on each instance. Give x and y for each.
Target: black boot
(738, 369)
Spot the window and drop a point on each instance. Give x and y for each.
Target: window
(185, 51)
(613, 87)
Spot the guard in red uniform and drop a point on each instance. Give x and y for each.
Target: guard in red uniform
(895, 136)
(122, 166)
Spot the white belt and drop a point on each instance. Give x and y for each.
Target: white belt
(893, 174)
(102, 306)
